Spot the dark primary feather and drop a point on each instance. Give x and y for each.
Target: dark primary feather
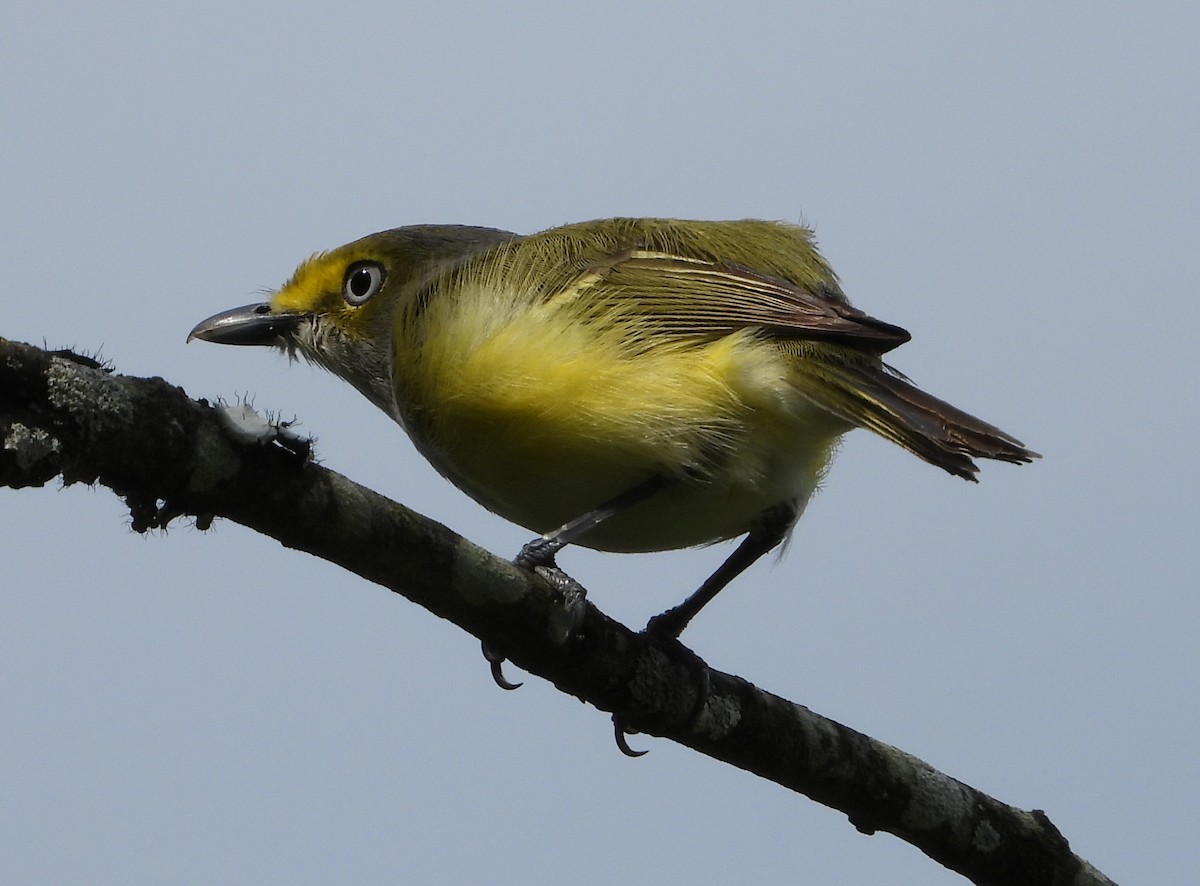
(880, 400)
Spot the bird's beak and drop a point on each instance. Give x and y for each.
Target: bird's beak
(247, 325)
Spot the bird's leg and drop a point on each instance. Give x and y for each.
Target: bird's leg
(541, 551)
(770, 530)
(538, 555)
(766, 535)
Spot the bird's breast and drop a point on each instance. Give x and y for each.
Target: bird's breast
(541, 417)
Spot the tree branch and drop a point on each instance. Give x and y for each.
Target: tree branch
(167, 455)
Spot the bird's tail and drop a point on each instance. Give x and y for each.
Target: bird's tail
(876, 397)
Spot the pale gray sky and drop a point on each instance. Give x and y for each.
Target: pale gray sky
(1014, 183)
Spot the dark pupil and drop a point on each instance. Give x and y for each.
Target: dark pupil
(360, 283)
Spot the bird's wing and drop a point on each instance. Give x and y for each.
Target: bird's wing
(704, 299)
(699, 298)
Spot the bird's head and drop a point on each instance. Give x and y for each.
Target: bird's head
(339, 307)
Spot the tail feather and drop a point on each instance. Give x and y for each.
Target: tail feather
(872, 397)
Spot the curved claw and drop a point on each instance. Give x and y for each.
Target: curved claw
(502, 681)
(619, 734)
(496, 661)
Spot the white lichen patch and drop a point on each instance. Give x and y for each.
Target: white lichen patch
(720, 715)
(79, 392)
(246, 426)
(936, 799)
(986, 838)
(31, 445)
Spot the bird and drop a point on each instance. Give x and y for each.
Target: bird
(623, 384)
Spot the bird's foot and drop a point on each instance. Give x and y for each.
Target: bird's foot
(660, 632)
(667, 626)
(538, 557)
(700, 677)
(539, 553)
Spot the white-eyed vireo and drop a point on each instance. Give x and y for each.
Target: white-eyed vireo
(626, 384)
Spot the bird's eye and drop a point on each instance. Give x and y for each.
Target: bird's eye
(363, 279)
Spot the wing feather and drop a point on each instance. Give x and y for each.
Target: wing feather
(692, 297)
